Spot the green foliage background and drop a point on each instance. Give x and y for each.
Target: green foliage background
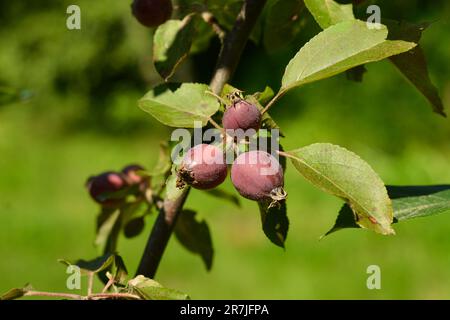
(79, 116)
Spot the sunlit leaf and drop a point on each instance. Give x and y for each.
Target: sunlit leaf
(342, 173)
(338, 48)
(180, 108)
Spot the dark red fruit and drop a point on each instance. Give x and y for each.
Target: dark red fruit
(102, 188)
(203, 167)
(258, 176)
(242, 115)
(152, 13)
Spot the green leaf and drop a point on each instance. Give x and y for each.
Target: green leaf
(149, 289)
(93, 266)
(282, 23)
(121, 272)
(345, 219)
(105, 229)
(396, 192)
(195, 236)
(421, 206)
(202, 37)
(275, 222)
(224, 195)
(342, 173)
(171, 44)
(329, 12)
(412, 64)
(264, 96)
(408, 202)
(164, 162)
(225, 11)
(180, 108)
(134, 227)
(16, 293)
(339, 48)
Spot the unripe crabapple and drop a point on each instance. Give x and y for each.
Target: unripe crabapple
(258, 176)
(242, 115)
(202, 167)
(105, 184)
(152, 13)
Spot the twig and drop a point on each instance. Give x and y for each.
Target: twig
(232, 47)
(54, 295)
(92, 296)
(209, 18)
(272, 101)
(108, 284)
(215, 124)
(97, 296)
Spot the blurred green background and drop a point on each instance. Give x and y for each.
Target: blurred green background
(78, 116)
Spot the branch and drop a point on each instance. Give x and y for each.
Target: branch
(233, 45)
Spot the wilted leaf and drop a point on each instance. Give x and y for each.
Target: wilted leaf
(195, 236)
(180, 108)
(275, 222)
(171, 44)
(149, 289)
(338, 48)
(342, 173)
(16, 293)
(282, 23)
(329, 12)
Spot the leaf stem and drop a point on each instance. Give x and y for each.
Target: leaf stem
(215, 124)
(273, 100)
